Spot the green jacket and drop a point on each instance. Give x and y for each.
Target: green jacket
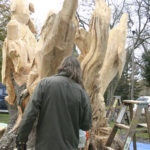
(63, 108)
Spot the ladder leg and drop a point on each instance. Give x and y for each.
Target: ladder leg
(113, 108)
(134, 142)
(132, 130)
(131, 117)
(131, 111)
(148, 121)
(127, 118)
(110, 107)
(115, 128)
(121, 114)
(111, 115)
(112, 135)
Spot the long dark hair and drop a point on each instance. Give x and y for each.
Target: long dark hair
(71, 66)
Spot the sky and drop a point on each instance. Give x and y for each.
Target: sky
(42, 7)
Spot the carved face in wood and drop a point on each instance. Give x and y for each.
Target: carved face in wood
(20, 11)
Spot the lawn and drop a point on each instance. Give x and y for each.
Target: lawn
(4, 118)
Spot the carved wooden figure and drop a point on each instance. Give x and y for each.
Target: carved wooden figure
(18, 53)
(26, 61)
(56, 42)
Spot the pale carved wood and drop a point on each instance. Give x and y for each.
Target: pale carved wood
(24, 56)
(102, 57)
(101, 52)
(114, 61)
(24, 60)
(18, 50)
(56, 42)
(93, 54)
(18, 53)
(115, 56)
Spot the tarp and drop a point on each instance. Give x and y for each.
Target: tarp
(140, 146)
(3, 125)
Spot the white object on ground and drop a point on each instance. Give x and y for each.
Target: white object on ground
(82, 138)
(3, 125)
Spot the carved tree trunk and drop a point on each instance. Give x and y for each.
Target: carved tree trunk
(56, 42)
(102, 57)
(93, 47)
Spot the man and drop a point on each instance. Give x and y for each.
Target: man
(62, 107)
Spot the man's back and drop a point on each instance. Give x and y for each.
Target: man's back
(64, 108)
(59, 116)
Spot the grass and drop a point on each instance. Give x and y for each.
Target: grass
(4, 118)
(142, 135)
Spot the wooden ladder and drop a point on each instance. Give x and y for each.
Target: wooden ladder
(114, 108)
(131, 129)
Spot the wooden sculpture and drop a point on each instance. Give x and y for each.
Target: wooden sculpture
(18, 53)
(25, 62)
(93, 51)
(56, 42)
(57, 39)
(102, 57)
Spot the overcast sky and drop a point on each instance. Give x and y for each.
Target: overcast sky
(42, 7)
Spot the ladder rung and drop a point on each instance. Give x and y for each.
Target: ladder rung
(142, 125)
(141, 131)
(109, 148)
(133, 123)
(133, 102)
(122, 126)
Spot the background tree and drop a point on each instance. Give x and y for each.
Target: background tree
(124, 85)
(146, 67)
(84, 13)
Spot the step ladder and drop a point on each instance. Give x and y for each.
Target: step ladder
(114, 108)
(134, 118)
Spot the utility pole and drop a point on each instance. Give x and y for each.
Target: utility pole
(132, 77)
(132, 74)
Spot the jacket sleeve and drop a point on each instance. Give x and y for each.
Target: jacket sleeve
(30, 114)
(86, 116)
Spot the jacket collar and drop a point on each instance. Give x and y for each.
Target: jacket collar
(63, 73)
